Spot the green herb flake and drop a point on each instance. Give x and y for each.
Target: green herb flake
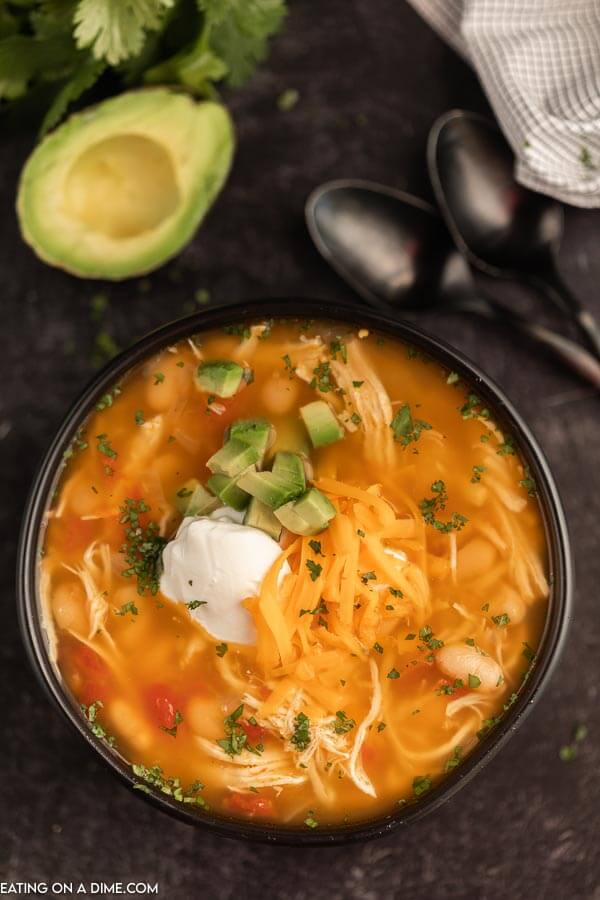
(311, 822)
(343, 724)
(289, 366)
(453, 378)
(126, 608)
(315, 546)
(221, 649)
(338, 347)
(142, 548)
(194, 604)
(454, 760)
(314, 568)
(355, 418)
(406, 429)
(90, 713)
(477, 473)
(301, 736)
(381, 727)
(139, 417)
(431, 506)
(158, 378)
(507, 447)
(322, 378)
(104, 446)
(357, 384)
(421, 784)
(393, 674)
(501, 620)
(474, 681)
(377, 647)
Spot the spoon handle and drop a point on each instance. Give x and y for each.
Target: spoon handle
(569, 352)
(553, 286)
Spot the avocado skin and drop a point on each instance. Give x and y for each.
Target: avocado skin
(47, 235)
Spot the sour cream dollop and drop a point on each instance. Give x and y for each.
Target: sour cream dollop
(217, 560)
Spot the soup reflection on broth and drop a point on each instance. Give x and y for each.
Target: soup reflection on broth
(293, 572)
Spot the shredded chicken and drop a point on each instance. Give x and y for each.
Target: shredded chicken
(95, 575)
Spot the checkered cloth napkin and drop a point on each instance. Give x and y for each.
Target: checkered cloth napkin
(539, 63)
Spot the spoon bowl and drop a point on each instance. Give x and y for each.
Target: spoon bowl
(394, 251)
(500, 226)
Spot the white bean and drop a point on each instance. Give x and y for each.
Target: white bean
(475, 558)
(461, 660)
(69, 606)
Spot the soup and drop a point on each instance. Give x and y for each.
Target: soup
(293, 572)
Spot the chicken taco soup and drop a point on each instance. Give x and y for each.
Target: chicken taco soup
(293, 572)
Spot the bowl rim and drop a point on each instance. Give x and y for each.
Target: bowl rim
(557, 539)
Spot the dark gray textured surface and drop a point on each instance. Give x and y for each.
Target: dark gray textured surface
(372, 78)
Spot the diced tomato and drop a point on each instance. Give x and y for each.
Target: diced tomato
(162, 705)
(254, 733)
(251, 805)
(91, 677)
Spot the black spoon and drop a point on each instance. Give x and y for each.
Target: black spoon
(393, 249)
(501, 227)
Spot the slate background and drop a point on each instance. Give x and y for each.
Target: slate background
(372, 78)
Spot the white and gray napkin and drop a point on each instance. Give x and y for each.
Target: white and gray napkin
(539, 63)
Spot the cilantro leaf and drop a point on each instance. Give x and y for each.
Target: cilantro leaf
(115, 30)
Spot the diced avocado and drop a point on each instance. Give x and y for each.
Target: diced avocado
(321, 423)
(228, 492)
(194, 500)
(290, 519)
(261, 516)
(268, 488)
(222, 378)
(257, 432)
(290, 467)
(233, 457)
(117, 190)
(315, 508)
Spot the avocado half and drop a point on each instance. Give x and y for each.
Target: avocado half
(120, 188)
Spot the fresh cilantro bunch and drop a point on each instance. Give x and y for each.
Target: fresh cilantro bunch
(62, 47)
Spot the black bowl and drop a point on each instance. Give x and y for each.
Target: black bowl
(559, 610)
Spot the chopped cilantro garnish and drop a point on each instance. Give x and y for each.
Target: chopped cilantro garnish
(315, 546)
(236, 739)
(143, 546)
(452, 378)
(357, 384)
(159, 377)
(221, 649)
(377, 647)
(194, 604)
(343, 724)
(501, 620)
(431, 506)
(454, 760)
(477, 473)
(406, 429)
(322, 378)
(290, 368)
(507, 447)
(472, 408)
(447, 689)
(393, 674)
(139, 417)
(108, 399)
(360, 532)
(128, 607)
(368, 576)
(314, 568)
(169, 786)
(90, 712)
(311, 822)
(338, 346)
(474, 681)
(104, 446)
(381, 726)
(355, 418)
(396, 592)
(301, 736)
(421, 784)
